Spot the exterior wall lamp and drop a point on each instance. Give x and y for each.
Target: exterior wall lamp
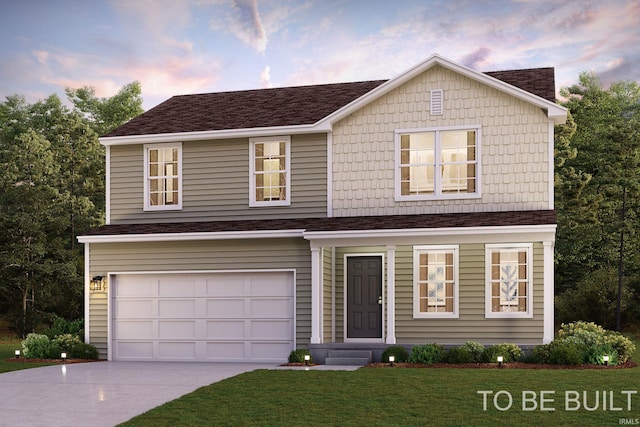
(97, 283)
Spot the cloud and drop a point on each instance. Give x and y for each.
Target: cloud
(477, 58)
(246, 24)
(265, 77)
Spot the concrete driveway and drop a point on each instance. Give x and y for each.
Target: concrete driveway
(102, 393)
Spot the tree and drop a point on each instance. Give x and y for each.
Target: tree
(597, 228)
(106, 114)
(51, 190)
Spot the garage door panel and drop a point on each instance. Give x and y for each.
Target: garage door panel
(271, 307)
(178, 287)
(225, 329)
(225, 286)
(177, 308)
(276, 329)
(270, 350)
(132, 329)
(225, 308)
(176, 350)
(226, 351)
(269, 287)
(134, 308)
(134, 350)
(135, 286)
(176, 329)
(204, 316)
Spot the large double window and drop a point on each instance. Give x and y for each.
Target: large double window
(163, 176)
(435, 271)
(270, 183)
(437, 163)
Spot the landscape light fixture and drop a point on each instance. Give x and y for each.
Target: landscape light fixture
(392, 359)
(96, 283)
(500, 360)
(606, 360)
(17, 353)
(63, 356)
(307, 358)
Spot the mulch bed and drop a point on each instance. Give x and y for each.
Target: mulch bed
(52, 361)
(513, 365)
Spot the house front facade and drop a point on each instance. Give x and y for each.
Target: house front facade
(243, 225)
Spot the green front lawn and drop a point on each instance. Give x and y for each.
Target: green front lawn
(407, 396)
(7, 351)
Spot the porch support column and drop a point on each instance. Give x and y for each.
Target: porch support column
(548, 307)
(316, 283)
(391, 295)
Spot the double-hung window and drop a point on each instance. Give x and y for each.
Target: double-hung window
(163, 176)
(435, 281)
(270, 181)
(509, 280)
(437, 163)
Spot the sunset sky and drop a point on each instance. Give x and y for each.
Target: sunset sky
(192, 46)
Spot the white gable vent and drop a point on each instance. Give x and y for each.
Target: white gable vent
(437, 102)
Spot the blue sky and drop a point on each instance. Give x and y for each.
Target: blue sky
(192, 46)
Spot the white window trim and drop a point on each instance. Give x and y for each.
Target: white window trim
(252, 169)
(438, 195)
(417, 314)
(489, 314)
(147, 205)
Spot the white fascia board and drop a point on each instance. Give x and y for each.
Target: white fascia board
(429, 232)
(210, 134)
(175, 237)
(554, 111)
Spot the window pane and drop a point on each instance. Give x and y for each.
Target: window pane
(436, 281)
(163, 170)
(270, 171)
(509, 280)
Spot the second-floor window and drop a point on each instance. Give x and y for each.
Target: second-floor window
(437, 163)
(270, 171)
(163, 176)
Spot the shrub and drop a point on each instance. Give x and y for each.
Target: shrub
(400, 353)
(476, 349)
(35, 346)
(297, 356)
(82, 350)
(595, 355)
(427, 354)
(564, 352)
(62, 326)
(67, 341)
(509, 353)
(591, 335)
(459, 355)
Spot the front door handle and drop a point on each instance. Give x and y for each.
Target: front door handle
(380, 300)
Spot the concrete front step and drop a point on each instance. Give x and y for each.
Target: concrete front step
(348, 357)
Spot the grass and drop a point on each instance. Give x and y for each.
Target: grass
(407, 397)
(7, 351)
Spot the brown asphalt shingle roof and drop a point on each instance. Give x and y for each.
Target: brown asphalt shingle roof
(288, 106)
(393, 222)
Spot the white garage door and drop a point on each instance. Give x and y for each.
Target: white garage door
(239, 317)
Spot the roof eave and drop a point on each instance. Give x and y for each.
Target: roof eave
(213, 134)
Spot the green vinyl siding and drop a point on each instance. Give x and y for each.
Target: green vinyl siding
(216, 182)
(471, 323)
(238, 255)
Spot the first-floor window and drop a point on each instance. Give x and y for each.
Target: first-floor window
(435, 272)
(508, 280)
(163, 173)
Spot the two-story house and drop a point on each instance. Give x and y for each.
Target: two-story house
(242, 225)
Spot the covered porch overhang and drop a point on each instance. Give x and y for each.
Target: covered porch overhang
(386, 241)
